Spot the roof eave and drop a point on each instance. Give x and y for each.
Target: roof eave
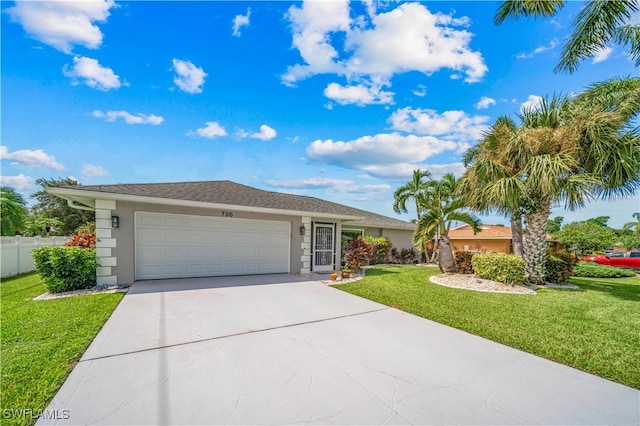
(79, 194)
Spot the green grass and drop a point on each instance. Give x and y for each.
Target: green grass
(42, 341)
(595, 329)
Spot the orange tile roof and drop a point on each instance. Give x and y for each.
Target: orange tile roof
(488, 231)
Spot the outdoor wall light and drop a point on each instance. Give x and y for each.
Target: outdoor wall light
(302, 230)
(115, 221)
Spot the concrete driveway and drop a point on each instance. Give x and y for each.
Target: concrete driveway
(279, 350)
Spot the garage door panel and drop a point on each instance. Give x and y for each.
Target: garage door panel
(174, 246)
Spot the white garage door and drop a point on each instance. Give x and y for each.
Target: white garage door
(180, 246)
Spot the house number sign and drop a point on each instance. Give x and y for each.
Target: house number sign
(226, 213)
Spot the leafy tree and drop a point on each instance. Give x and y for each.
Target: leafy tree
(588, 235)
(630, 237)
(442, 207)
(599, 23)
(54, 207)
(13, 211)
(569, 150)
(42, 225)
(600, 220)
(487, 162)
(554, 225)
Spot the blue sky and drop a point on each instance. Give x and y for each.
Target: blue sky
(338, 100)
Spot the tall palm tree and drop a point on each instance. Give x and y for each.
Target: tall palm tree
(599, 23)
(487, 162)
(13, 211)
(442, 207)
(414, 189)
(570, 150)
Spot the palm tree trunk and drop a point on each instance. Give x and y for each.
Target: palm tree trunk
(435, 249)
(516, 233)
(446, 261)
(535, 243)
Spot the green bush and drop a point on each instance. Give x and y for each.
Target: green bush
(559, 266)
(504, 268)
(463, 261)
(66, 268)
(594, 270)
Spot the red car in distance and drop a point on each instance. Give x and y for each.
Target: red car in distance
(623, 259)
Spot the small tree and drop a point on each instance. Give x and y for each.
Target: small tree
(589, 236)
(13, 211)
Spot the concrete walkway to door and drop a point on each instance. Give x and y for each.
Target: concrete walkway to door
(276, 349)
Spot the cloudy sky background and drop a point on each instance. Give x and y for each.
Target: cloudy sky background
(338, 100)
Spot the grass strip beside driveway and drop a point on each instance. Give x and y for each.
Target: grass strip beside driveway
(42, 341)
(595, 329)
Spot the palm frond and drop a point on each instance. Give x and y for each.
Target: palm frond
(514, 9)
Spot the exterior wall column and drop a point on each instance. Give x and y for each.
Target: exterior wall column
(338, 246)
(306, 246)
(105, 243)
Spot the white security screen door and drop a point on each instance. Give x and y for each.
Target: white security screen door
(323, 247)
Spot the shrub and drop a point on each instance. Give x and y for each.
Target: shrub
(504, 268)
(594, 270)
(82, 240)
(463, 260)
(381, 247)
(393, 256)
(359, 253)
(408, 255)
(559, 266)
(66, 268)
(86, 228)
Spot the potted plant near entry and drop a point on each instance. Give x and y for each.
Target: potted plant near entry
(334, 276)
(346, 272)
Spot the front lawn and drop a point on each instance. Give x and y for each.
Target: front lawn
(42, 341)
(595, 329)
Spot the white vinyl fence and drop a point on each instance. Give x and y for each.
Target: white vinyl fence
(15, 252)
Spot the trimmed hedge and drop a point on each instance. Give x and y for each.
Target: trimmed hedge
(504, 268)
(559, 267)
(463, 261)
(594, 270)
(66, 268)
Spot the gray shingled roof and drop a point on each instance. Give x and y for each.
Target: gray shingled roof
(227, 192)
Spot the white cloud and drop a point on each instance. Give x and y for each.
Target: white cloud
(30, 158)
(240, 21)
(451, 125)
(266, 133)
(485, 102)
(91, 170)
(189, 77)
(552, 44)
(533, 102)
(370, 152)
(20, 182)
(337, 185)
(129, 118)
(360, 94)
(62, 24)
(210, 131)
(407, 38)
(420, 91)
(602, 55)
(94, 74)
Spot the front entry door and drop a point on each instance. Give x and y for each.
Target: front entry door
(323, 247)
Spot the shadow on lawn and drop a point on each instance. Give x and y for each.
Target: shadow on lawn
(376, 271)
(616, 289)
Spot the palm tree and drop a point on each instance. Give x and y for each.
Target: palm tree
(487, 162)
(633, 226)
(599, 23)
(570, 150)
(442, 208)
(13, 211)
(414, 189)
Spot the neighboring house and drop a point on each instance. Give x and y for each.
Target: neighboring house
(214, 228)
(491, 239)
